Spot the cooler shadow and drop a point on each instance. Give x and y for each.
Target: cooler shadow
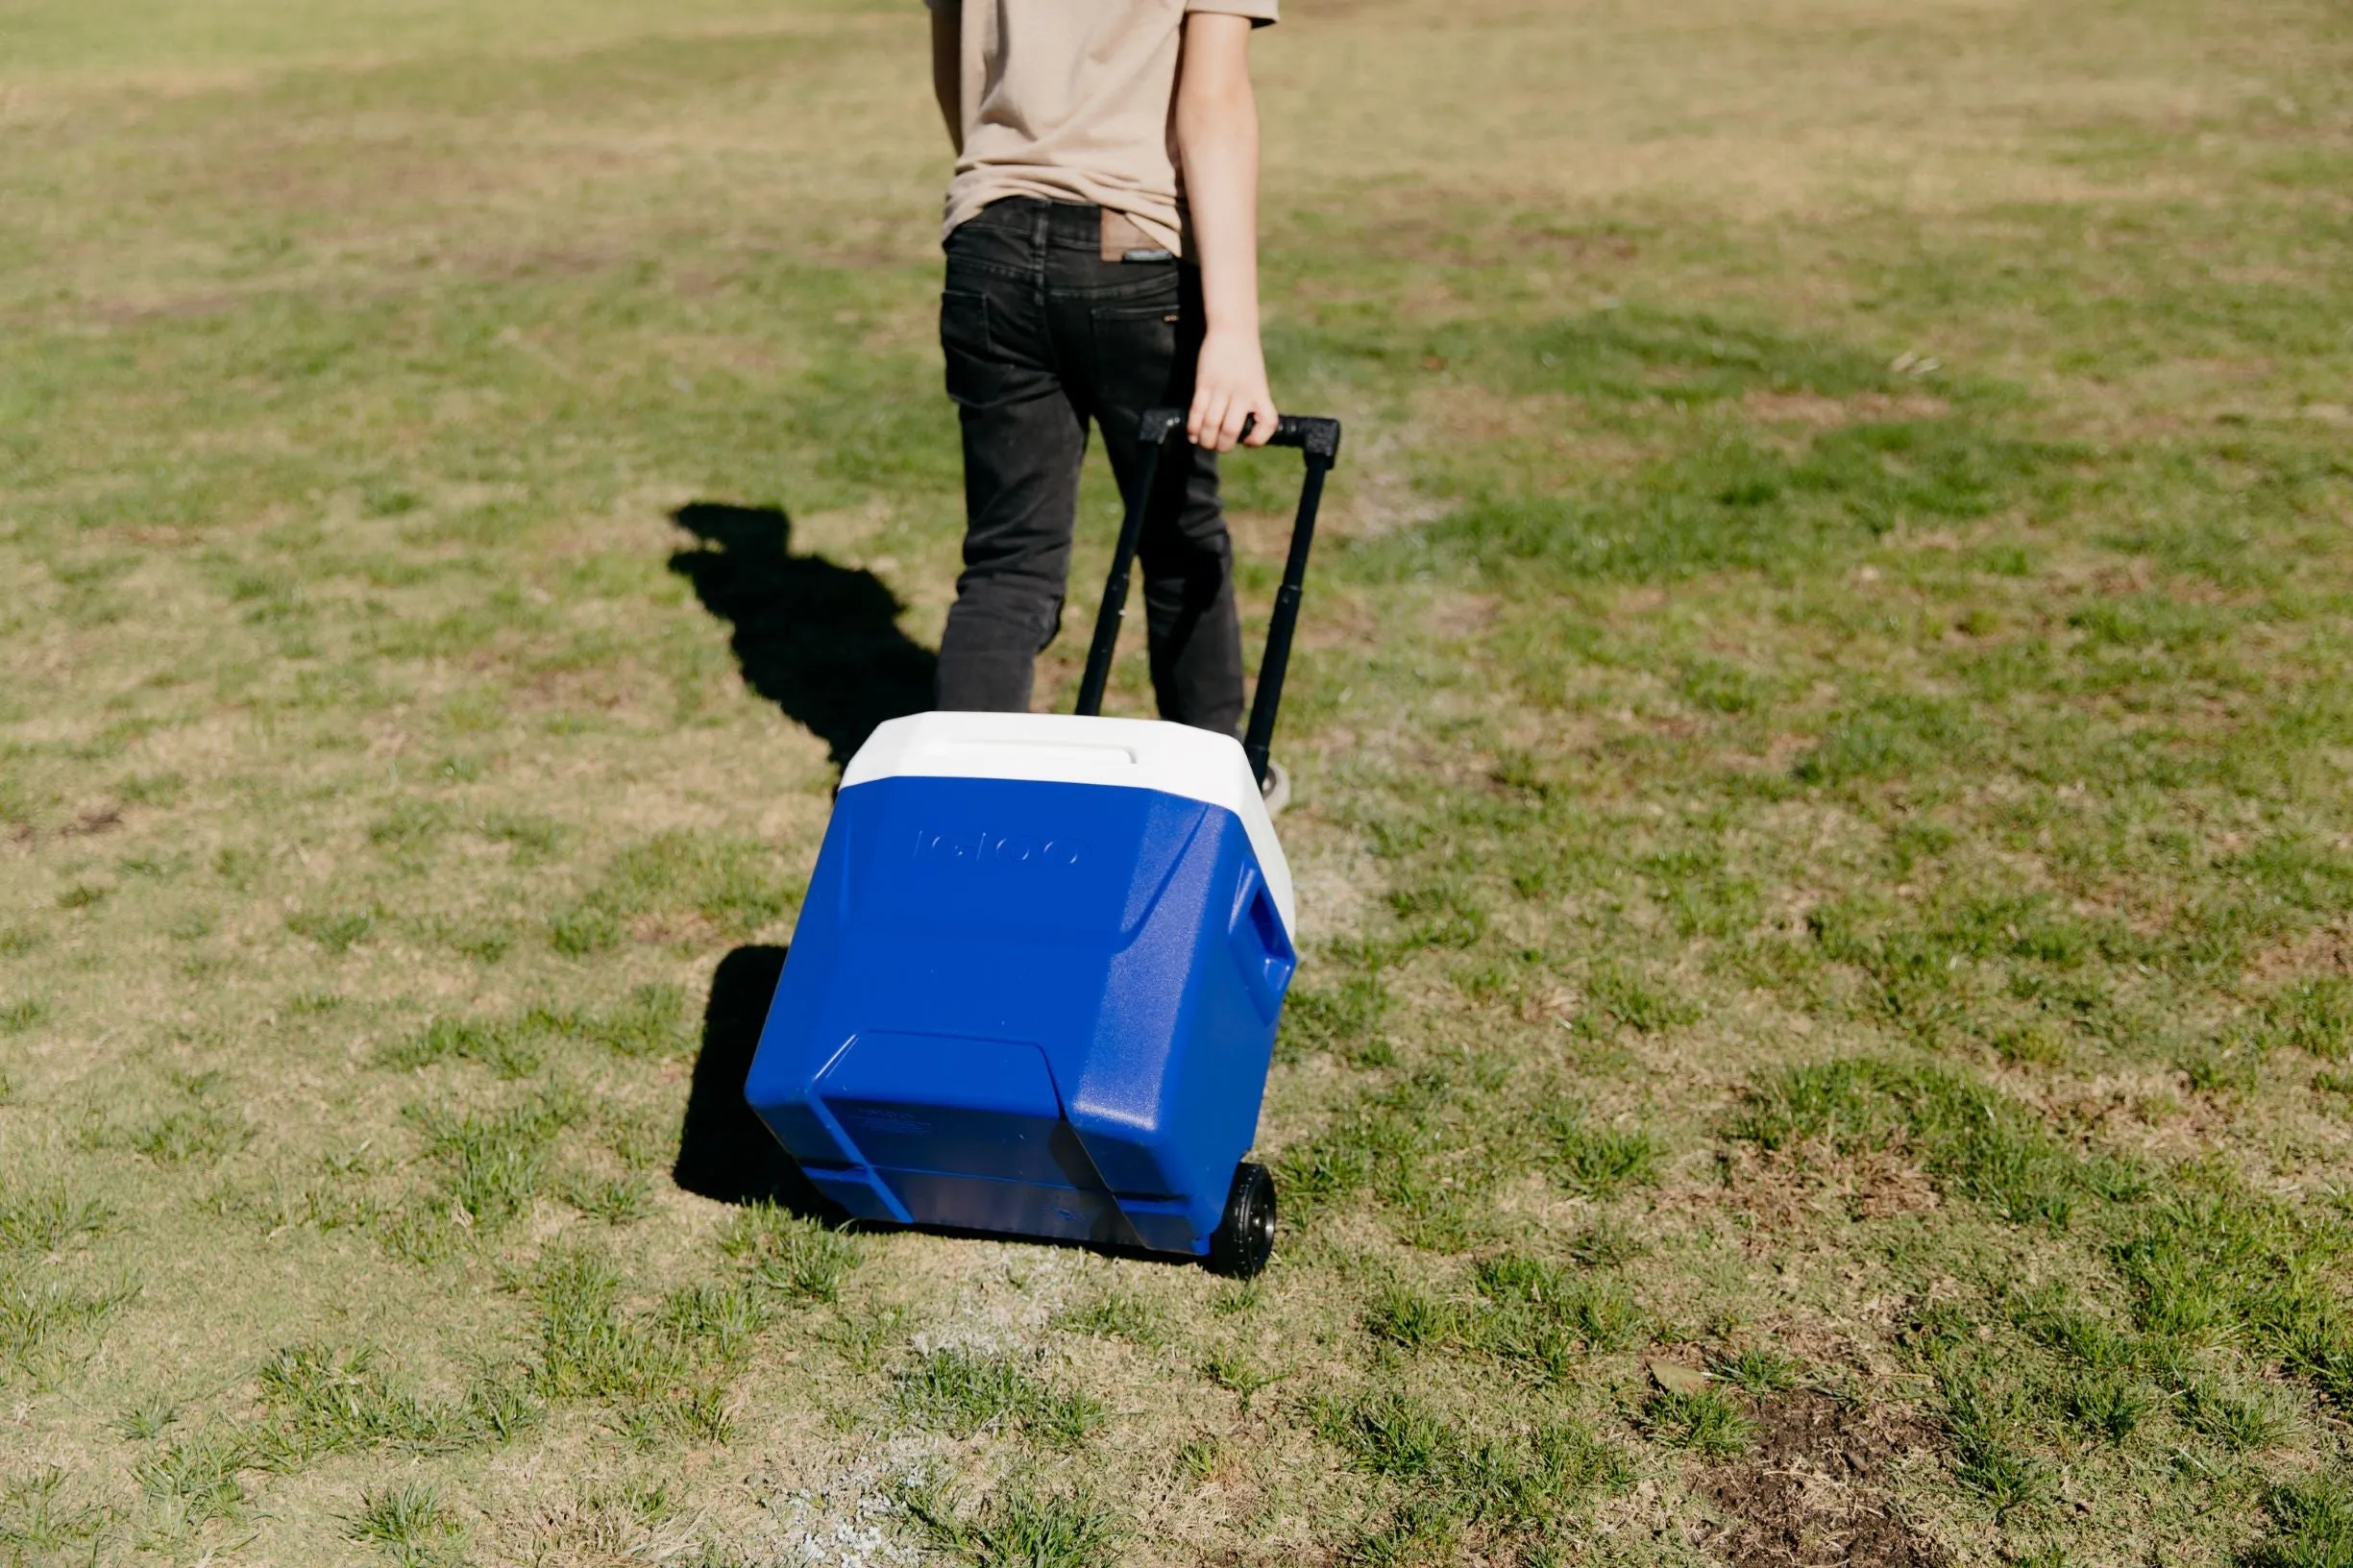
(819, 641)
(724, 1152)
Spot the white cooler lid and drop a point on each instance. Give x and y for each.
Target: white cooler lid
(1064, 748)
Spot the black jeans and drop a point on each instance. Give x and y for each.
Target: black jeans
(1042, 336)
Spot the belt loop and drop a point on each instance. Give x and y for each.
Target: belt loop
(1042, 239)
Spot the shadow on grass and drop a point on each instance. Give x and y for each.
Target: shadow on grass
(819, 641)
(723, 1151)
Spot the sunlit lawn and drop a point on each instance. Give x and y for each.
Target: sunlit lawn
(1822, 814)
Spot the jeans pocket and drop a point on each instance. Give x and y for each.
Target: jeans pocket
(967, 345)
(1135, 352)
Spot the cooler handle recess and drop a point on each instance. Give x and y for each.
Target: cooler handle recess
(1319, 441)
(1261, 949)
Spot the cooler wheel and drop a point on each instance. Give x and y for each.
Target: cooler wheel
(1246, 1239)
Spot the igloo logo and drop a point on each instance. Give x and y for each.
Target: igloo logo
(988, 847)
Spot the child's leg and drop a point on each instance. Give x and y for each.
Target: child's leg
(1024, 442)
(1187, 564)
(1145, 359)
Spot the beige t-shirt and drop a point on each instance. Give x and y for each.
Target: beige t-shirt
(1070, 100)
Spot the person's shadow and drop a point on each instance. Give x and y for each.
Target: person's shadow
(819, 641)
(822, 642)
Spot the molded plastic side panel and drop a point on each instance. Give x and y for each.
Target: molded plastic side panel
(861, 1195)
(1172, 1088)
(936, 1102)
(1017, 1208)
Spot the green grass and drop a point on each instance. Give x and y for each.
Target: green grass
(1819, 810)
(2252, 1418)
(51, 1296)
(1600, 1161)
(493, 1164)
(43, 1518)
(2313, 1526)
(1708, 1422)
(1759, 1371)
(410, 1524)
(146, 1419)
(1985, 1420)
(784, 1253)
(1022, 1528)
(962, 1393)
(1973, 1141)
(47, 1219)
(1115, 1316)
(1449, 1482)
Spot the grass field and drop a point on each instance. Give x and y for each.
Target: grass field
(1824, 797)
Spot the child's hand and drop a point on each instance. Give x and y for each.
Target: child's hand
(1229, 391)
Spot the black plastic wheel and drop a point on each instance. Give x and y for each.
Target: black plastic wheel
(1246, 1239)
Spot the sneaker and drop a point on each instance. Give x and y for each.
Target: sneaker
(1276, 792)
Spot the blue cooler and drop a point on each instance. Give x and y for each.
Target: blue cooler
(1035, 984)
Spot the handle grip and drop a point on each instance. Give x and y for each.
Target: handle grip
(1316, 437)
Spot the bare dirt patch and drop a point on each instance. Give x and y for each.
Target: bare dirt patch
(1784, 1192)
(1814, 1491)
(2326, 951)
(1813, 409)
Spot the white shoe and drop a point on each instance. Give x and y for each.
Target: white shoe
(1277, 790)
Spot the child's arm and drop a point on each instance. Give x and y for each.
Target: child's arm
(1217, 140)
(947, 65)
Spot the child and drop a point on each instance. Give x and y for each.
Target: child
(1102, 259)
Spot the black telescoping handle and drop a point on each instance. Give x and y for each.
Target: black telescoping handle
(1319, 439)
